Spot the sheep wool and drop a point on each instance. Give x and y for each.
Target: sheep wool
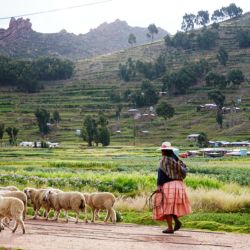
(101, 200)
(12, 208)
(68, 201)
(19, 195)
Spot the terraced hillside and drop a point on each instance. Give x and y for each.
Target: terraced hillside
(88, 93)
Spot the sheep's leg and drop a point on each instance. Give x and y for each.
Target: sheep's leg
(93, 215)
(66, 216)
(97, 214)
(24, 211)
(113, 215)
(1, 225)
(85, 214)
(107, 216)
(57, 215)
(22, 226)
(77, 216)
(46, 213)
(36, 213)
(15, 227)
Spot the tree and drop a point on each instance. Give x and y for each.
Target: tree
(219, 100)
(179, 40)
(233, 11)
(56, 116)
(118, 111)
(165, 110)
(217, 16)
(12, 133)
(207, 39)
(243, 38)
(202, 18)
(188, 22)
(236, 77)
(104, 136)
(43, 118)
(217, 97)
(132, 39)
(152, 31)
(1, 131)
(214, 80)
(89, 131)
(202, 140)
(222, 56)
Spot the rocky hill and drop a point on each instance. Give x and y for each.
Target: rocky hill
(19, 40)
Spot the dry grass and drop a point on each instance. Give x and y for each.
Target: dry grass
(232, 198)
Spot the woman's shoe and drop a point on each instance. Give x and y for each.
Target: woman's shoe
(168, 231)
(177, 225)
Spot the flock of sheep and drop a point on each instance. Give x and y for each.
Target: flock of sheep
(13, 204)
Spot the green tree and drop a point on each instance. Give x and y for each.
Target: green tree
(1, 131)
(219, 100)
(179, 40)
(118, 111)
(104, 136)
(202, 140)
(165, 110)
(152, 29)
(89, 131)
(217, 15)
(243, 37)
(233, 11)
(132, 39)
(43, 118)
(236, 77)
(56, 116)
(202, 18)
(217, 97)
(216, 80)
(222, 56)
(188, 22)
(12, 133)
(207, 39)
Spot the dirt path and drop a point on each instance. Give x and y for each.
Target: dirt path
(42, 235)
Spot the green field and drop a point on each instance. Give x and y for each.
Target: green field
(218, 188)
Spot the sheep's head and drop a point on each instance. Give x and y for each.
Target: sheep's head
(48, 194)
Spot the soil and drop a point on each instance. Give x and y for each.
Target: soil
(49, 235)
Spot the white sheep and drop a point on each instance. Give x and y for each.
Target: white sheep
(11, 208)
(10, 188)
(37, 198)
(101, 200)
(67, 201)
(19, 195)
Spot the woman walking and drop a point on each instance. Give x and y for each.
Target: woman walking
(171, 201)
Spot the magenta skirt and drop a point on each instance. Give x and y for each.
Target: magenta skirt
(172, 200)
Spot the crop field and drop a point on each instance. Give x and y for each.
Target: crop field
(218, 188)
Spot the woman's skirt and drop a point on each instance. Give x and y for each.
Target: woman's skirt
(172, 200)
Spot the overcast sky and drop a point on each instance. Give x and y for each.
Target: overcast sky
(164, 13)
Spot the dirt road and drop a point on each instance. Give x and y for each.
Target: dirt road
(42, 235)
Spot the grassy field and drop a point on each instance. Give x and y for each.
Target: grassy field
(218, 188)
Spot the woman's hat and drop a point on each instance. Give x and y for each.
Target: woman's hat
(167, 146)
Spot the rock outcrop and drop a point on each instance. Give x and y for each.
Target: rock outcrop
(20, 41)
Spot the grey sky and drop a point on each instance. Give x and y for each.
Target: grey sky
(164, 13)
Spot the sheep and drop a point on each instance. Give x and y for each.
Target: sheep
(101, 200)
(68, 201)
(9, 188)
(37, 197)
(11, 208)
(19, 195)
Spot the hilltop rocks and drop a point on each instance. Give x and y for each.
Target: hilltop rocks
(20, 41)
(17, 28)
